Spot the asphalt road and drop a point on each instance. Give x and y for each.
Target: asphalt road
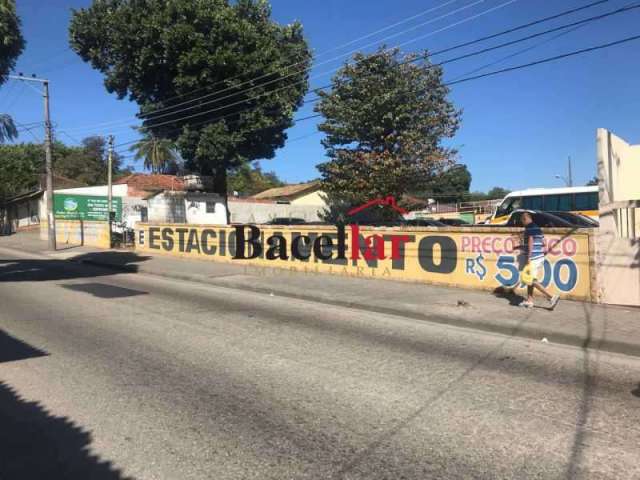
(112, 376)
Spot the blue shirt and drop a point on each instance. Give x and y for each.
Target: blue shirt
(533, 231)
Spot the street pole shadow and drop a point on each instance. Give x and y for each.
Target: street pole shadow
(95, 264)
(636, 392)
(589, 374)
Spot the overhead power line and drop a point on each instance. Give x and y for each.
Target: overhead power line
(412, 60)
(422, 57)
(154, 114)
(115, 123)
(506, 70)
(547, 60)
(458, 46)
(334, 49)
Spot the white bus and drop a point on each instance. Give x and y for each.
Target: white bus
(581, 200)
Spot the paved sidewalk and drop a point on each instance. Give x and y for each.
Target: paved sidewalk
(615, 329)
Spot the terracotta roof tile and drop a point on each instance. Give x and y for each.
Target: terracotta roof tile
(141, 184)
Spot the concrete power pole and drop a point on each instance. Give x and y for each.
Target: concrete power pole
(570, 173)
(48, 140)
(110, 187)
(48, 165)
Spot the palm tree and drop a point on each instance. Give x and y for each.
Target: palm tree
(159, 154)
(8, 129)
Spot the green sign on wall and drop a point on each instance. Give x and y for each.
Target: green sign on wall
(85, 207)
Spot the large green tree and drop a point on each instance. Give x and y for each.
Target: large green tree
(11, 46)
(385, 119)
(162, 54)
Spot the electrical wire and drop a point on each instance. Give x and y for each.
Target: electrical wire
(413, 60)
(505, 32)
(146, 116)
(118, 122)
(546, 60)
(454, 47)
(339, 47)
(507, 70)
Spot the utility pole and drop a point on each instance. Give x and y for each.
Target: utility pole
(110, 187)
(570, 173)
(48, 141)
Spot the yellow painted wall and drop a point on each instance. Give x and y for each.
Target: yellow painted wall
(312, 198)
(73, 232)
(482, 257)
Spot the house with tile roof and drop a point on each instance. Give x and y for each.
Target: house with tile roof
(297, 194)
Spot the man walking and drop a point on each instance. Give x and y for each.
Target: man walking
(534, 250)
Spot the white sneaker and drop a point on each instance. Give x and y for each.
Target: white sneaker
(554, 301)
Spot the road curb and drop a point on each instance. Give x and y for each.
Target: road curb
(521, 330)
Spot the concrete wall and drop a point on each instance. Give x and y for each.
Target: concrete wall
(20, 215)
(132, 210)
(249, 212)
(480, 257)
(191, 208)
(205, 209)
(618, 239)
(81, 233)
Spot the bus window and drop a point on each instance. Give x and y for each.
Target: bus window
(558, 203)
(532, 203)
(586, 201)
(508, 206)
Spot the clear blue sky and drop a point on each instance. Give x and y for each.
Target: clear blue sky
(517, 129)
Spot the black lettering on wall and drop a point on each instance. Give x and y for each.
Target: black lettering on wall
(323, 248)
(194, 241)
(242, 241)
(277, 248)
(362, 244)
(448, 254)
(399, 263)
(300, 247)
(167, 239)
(207, 241)
(154, 238)
(181, 240)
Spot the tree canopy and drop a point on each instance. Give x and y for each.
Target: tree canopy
(249, 180)
(11, 41)
(385, 119)
(11, 46)
(165, 55)
(21, 165)
(452, 185)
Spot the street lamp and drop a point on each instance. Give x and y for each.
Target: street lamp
(564, 179)
(567, 180)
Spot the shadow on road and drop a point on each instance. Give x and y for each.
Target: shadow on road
(110, 263)
(38, 445)
(12, 349)
(636, 392)
(508, 294)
